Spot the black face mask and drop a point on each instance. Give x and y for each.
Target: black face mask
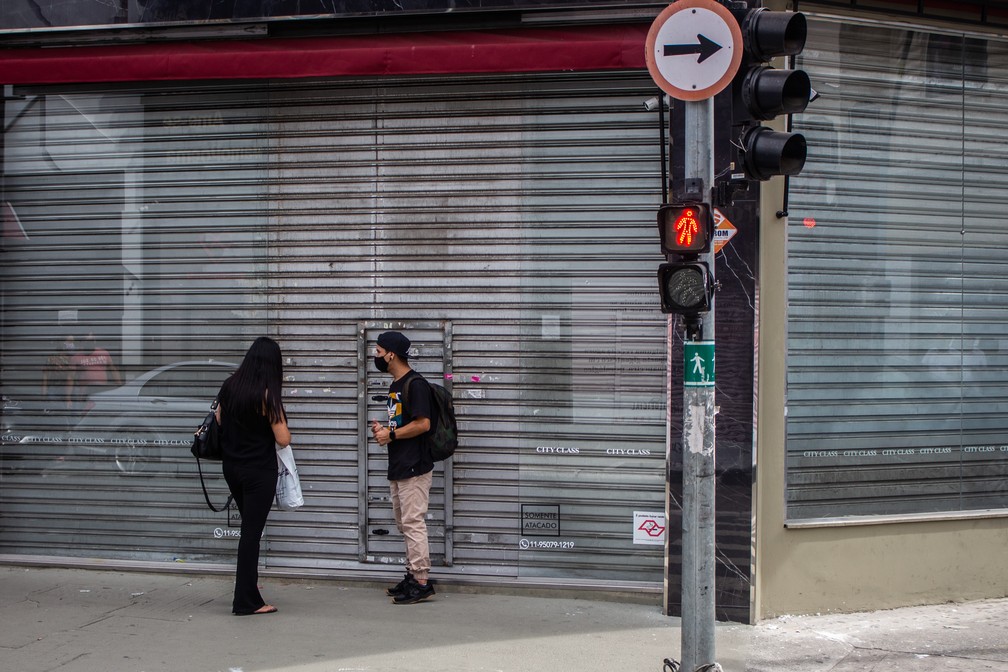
(381, 364)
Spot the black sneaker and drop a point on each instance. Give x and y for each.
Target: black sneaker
(414, 593)
(399, 588)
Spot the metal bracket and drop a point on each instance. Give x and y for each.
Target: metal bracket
(693, 189)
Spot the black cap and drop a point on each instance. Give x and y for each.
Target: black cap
(395, 342)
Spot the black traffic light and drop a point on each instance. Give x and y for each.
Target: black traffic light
(685, 287)
(686, 230)
(761, 92)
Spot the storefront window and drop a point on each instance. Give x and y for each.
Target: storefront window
(133, 276)
(505, 223)
(897, 343)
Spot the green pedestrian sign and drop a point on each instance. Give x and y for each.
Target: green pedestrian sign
(699, 364)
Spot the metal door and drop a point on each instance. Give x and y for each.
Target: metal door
(430, 355)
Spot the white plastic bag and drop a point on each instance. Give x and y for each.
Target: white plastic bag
(288, 491)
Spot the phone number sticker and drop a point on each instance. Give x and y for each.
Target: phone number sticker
(554, 544)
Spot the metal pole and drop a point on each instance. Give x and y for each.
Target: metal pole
(698, 615)
(661, 135)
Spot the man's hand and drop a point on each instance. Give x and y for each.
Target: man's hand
(381, 434)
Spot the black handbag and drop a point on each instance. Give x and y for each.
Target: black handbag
(206, 445)
(206, 439)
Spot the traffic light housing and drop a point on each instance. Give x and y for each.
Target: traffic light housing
(685, 285)
(685, 228)
(761, 92)
(685, 288)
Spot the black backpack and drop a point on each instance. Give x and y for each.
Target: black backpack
(441, 439)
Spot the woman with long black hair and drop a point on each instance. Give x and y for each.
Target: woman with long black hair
(253, 424)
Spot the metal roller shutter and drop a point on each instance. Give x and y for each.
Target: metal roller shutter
(504, 223)
(897, 393)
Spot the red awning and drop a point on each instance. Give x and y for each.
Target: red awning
(530, 50)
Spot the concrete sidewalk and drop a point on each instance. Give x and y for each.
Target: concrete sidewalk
(74, 620)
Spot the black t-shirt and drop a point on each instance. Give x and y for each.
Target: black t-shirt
(246, 436)
(408, 457)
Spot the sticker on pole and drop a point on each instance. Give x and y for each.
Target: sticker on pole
(699, 371)
(724, 230)
(693, 49)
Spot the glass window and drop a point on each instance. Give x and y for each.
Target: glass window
(186, 380)
(177, 222)
(897, 369)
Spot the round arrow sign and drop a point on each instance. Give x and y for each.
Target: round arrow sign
(693, 49)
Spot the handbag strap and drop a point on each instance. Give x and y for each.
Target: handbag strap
(206, 495)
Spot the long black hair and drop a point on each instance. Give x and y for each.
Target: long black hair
(257, 385)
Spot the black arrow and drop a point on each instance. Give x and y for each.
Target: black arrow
(705, 47)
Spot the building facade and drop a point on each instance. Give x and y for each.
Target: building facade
(881, 478)
(178, 180)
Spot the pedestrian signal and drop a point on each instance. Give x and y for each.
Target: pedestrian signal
(685, 228)
(685, 288)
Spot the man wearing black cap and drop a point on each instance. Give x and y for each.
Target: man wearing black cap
(410, 467)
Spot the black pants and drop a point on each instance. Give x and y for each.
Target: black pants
(253, 491)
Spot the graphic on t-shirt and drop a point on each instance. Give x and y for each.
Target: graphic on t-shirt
(394, 410)
(92, 368)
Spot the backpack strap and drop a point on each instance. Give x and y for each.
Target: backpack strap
(410, 377)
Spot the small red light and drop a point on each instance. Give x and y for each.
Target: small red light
(686, 228)
(809, 222)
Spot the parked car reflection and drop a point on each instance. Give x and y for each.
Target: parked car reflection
(151, 418)
(34, 430)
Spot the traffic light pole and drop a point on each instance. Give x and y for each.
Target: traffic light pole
(734, 44)
(698, 560)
